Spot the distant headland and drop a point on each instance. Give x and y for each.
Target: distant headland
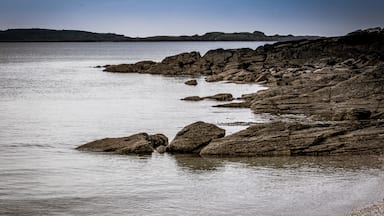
(50, 35)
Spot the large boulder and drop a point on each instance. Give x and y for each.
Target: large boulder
(192, 138)
(140, 143)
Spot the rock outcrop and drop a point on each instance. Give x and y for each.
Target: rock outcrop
(140, 143)
(295, 138)
(221, 97)
(337, 83)
(182, 64)
(192, 138)
(139, 67)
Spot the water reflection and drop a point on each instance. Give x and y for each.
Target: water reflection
(346, 163)
(195, 163)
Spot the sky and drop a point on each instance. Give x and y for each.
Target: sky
(138, 18)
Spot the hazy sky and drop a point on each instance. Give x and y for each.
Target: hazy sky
(177, 17)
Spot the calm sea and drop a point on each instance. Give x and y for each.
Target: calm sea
(52, 99)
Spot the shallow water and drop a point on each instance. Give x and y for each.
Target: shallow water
(52, 99)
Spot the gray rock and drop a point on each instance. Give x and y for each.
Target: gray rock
(140, 143)
(161, 149)
(191, 82)
(139, 67)
(193, 98)
(194, 137)
(328, 79)
(358, 114)
(375, 209)
(221, 97)
(234, 105)
(157, 140)
(295, 138)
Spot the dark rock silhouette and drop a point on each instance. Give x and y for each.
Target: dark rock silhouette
(50, 35)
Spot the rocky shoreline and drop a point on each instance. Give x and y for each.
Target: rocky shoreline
(337, 83)
(375, 209)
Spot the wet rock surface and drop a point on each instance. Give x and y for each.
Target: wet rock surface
(192, 138)
(140, 143)
(181, 64)
(221, 97)
(298, 138)
(193, 98)
(217, 97)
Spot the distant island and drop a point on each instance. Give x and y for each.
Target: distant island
(50, 35)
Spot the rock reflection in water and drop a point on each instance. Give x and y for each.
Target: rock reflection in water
(347, 163)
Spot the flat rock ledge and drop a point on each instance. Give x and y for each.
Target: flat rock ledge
(140, 143)
(300, 138)
(217, 97)
(294, 138)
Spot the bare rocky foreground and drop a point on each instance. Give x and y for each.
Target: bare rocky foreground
(337, 83)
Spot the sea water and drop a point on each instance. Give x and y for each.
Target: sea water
(53, 99)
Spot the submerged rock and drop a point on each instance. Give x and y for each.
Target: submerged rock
(140, 143)
(194, 137)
